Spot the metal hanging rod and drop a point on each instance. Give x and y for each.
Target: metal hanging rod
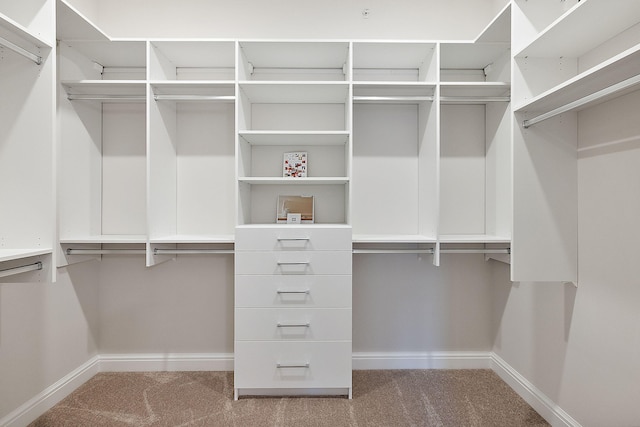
(392, 98)
(431, 251)
(157, 251)
(625, 84)
(82, 97)
(474, 99)
(21, 51)
(71, 251)
(22, 269)
(475, 251)
(393, 251)
(223, 98)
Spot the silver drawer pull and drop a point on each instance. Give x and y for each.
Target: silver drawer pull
(293, 239)
(292, 365)
(306, 292)
(294, 325)
(294, 263)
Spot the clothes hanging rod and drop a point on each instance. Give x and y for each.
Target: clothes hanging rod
(158, 251)
(475, 251)
(393, 251)
(431, 251)
(82, 97)
(225, 98)
(71, 251)
(391, 98)
(462, 99)
(625, 84)
(21, 51)
(22, 269)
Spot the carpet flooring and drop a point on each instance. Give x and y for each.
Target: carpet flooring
(394, 398)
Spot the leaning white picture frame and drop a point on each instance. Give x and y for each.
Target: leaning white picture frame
(294, 204)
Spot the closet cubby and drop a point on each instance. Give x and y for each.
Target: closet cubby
(27, 116)
(293, 61)
(103, 141)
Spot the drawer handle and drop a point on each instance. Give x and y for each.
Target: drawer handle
(306, 292)
(293, 239)
(294, 263)
(292, 365)
(294, 325)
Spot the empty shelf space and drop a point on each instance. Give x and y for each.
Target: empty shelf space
(295, 137)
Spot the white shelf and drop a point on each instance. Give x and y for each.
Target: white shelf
(107, 88)
(473, 238)
(498, 30)
(16, 254)
(294, 181)
(194, 239)
(106, 238)
(18, 34)
(296, 92)
(585, 26)
(619, 68)
(112, 54)
(295, 137)
(392, 238)
(393, 92)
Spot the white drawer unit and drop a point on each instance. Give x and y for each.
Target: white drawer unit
(293, 326)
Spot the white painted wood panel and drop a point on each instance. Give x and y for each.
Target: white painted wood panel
(293, 262)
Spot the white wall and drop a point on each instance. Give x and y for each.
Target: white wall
(46, 331)
(581, 346)
(399, 19)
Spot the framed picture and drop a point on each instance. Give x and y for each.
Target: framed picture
(294, 165)
(291, 206)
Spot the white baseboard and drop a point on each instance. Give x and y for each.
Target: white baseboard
(423, 360)
(42, 402)
(549, 410)
(166, 362)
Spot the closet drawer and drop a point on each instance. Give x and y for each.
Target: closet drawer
(287, 364)
(293, 291)
(293, 238)
(297, 324)
(293, 262)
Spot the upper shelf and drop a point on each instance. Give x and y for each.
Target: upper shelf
(498, 30)
(21, 36)
(611, 72)
(72, 25)
(295, 137)
(585, 26)
(15, 254)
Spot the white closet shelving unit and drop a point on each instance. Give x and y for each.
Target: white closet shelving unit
(475, 172)
(103, 152)
(395, 148)
(293, 96)
(191, 147)
(292, 336)
(27, 116)
(562, 63)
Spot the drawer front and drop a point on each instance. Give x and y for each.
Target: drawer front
(292, 364)
(296, 324)
(293, 262)
(293, 291)
(293, 239)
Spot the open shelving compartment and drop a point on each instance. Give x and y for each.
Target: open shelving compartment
(191, 143)
(395, 134)
(27, 84)
(102, 142)
(302, 115)
(475, 159)
(564, 65)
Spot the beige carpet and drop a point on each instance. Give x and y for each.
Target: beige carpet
(380, 398)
